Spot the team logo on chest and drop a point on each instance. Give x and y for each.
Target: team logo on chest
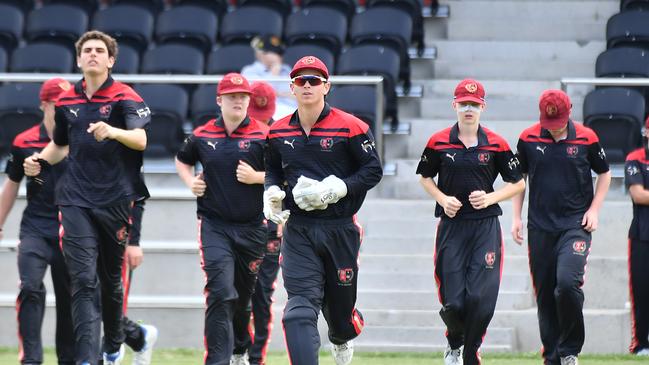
(572, 151)
(490, 259)
(483, 158)
(345, 276)
(104, 110)
(244, 146)
(326, 143)
(579, 247)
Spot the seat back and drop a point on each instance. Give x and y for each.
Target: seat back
(317, 25)
(173, 59)
(623, 62)
(295, 52)
(229, 58)
(19, 110)
(244, 23)
(628, 28)
(56, 22)
(203, 105)
(128, 60)
(42, 57)
(187, 24)
(11, 26)
(359, 100)
(129, 24)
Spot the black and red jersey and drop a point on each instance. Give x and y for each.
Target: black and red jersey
(97, 174)
(636, 172)
(40, 217)
(226, 198)
(338, 144)
(560, 179)
(464, 170)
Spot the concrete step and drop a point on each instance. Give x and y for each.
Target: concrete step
(516, 60)
(530, 20)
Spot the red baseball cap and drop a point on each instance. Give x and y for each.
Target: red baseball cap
(52, 89)
(233, 83)
(310, 63)
(262, 101)
(554, 106)
(469, 90)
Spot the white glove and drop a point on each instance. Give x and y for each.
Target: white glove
(273, 197)
(312, 194)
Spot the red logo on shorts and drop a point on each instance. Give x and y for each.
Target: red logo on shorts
(345, 276)
(326, 143)
(484, 157)
(121, 235)
(490, 259)
(254, 266)
(579, 247)
(272, 246)
(244, 145)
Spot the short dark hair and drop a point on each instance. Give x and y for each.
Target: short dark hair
(110, 42)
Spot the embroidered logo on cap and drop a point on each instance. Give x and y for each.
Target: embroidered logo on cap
(237, 80)
(472, 88)
(308, 60)
(551, 110)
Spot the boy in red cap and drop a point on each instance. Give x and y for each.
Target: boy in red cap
(467, 158)
(39, 238)
(232, 233)
(329, 161)
(558, 155)
(636, 178)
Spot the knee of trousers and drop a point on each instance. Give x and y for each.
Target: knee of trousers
(453, 316)
(32, 288)
(568, 290)
(84, 281)
(480, 305)
(300, 309)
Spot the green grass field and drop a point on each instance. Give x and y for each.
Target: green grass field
(194, 357)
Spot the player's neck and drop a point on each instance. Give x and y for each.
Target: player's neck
(93, 83)
(468, 133)
(309, 115)
(231, 124)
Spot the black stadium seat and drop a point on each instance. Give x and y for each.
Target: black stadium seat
(616, 114)
(317, 25)
(129, 24)
(19, 110)
(283, 7)
(634, 5)
(153, 6)
(347, 7)
(628, 29)
(4, 60)
(203, 105)
(217, 7)
(372, 59)
(89, 6)
(128, 60)
(11, 26)
(295, 52)
(56, 22)
(173, 59)
(244, 23)
(623, 62)
(42, 57)
(168, 104)
(229, 58)
(359, 100)
(412, 7)
(391, 27)
(24, 5)
(187, 24)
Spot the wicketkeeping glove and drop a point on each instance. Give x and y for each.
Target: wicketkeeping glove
(273, 197)
(313, 194)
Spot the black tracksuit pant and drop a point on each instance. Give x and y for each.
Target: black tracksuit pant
(639, 286)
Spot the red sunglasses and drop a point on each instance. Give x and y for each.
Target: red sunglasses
(313, 80)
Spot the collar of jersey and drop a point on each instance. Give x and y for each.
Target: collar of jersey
(572, 133)
(220, 123)
(455, 133)
(295, 118)
(80, 85)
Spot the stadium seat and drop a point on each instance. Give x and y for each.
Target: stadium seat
(154, 6)
(412, 7)
(359, 100)
(129, 24)
(616, 114)
(218, 7)
(283, 7)
(373, 59)
(11, 26)
(387, 26)
(42, 57)
(4, 61)
(229, 58)
(128, 60)
(347, 7)
(61, 23)
(623, 62)
(24, 5)
(317, 25)
(203, 105)
(19, 110)
(168, 104)
(242, 24)
(187, 24)
(295, 52)
(173, 59)
(628, 29)
(89, 6)
(634, 5)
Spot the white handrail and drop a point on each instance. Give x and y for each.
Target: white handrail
(603, 81)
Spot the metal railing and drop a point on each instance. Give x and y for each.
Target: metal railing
(376, 81)
(602, 81)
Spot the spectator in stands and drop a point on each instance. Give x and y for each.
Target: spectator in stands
(269, 51)
(467, 158)
(636, 175)
(39, 238)
(559, 154)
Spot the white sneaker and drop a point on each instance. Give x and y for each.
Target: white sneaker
(237, 359)
(143, 357)
(569, 360)
(344, 353)
(643, 352)
(115, 358)
(453, 356)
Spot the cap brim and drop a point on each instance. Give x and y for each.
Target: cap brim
(473, 99)
(236, 90)
(295, 71)
(553, 123)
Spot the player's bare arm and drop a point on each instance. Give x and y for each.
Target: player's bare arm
(638, 194)
(517, 221)
(134, 139)
(7, 200)
(52, 153)
(450, 204)
(591, 217)
(247, 175)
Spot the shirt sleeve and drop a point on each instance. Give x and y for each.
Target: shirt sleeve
(597, 158)
(363, 151)
(632, 173)
(508, 165)
(521, 156)
(188, 153)
(429, 162)
(136, 114)
(60, 127)
(273, 166)
(14, 168)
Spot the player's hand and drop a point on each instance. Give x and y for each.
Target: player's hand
(101, 131)
(517, 230)
(273, 197)
(590, 220)
(479, 199)
(311, 194)
(245, 173)
(451, 206)
(31, 165)
(134, 256)
(198, 186)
